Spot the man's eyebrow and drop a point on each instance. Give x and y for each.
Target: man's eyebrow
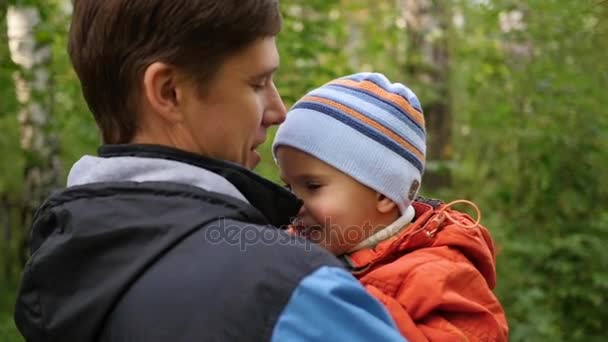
(265, 73)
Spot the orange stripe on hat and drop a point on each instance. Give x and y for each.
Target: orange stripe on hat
(404, 143)
(381, 93)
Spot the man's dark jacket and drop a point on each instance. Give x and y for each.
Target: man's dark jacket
(149, 243)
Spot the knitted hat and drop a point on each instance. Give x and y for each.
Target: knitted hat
(366, 127)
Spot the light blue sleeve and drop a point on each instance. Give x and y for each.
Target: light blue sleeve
(331, 305)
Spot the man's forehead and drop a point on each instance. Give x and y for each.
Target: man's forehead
(260, 58)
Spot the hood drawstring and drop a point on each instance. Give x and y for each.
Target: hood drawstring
(432, 227)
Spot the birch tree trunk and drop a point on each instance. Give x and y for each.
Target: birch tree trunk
(34, 94)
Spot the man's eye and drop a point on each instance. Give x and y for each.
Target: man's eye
(258, 87)
(260, 84)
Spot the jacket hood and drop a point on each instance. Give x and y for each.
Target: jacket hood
(474, 243)
(91, 169)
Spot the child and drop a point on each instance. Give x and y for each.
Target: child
(354, 150)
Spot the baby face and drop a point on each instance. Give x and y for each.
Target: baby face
(338, 211)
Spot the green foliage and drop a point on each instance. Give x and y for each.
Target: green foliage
(73, 120)
(9, 172)
(8, 331)
(533, 147)
(530, 133)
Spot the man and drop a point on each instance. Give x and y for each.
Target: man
(166, 235)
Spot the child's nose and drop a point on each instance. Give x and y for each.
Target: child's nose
(302, 211)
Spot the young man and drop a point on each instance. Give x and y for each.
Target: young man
(166, 235)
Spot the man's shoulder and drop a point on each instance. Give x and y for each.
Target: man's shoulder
(136, 202)
(254, 256)
(245, 237)
(231, 277)
(218, 231)
(138, 192)
(200, 225)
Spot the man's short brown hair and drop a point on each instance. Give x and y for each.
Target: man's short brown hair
(112, 42)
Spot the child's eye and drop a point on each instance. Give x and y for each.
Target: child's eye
(313, 186)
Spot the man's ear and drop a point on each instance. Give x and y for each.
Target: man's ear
(160, 89)
(384, 204)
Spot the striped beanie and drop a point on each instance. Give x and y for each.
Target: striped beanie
(366, 127)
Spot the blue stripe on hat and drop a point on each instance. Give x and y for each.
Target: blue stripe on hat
(384, 104)
(364, 129)
(375, 110)
(407, 118)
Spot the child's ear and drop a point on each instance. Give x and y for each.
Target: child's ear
(384, 204)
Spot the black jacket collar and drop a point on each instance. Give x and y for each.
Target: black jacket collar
(275, 203)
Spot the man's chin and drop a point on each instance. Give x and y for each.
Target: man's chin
(254, 159)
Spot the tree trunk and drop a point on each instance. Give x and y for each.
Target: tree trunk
(5, 222)
(427, 25)
(33, 89)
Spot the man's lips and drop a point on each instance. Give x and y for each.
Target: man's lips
(256, 155)
(258, 142)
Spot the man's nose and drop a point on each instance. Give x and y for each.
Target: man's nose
(275, 111)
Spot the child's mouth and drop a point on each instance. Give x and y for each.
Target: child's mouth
(306, 231)
(301, 231)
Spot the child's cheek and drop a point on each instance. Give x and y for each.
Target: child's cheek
(323, 211)
(321, 215)
(331, 216)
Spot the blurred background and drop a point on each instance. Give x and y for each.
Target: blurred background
(515, 96)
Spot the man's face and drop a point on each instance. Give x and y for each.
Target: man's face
(230, 121)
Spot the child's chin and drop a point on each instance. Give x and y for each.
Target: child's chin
(336, 250)
(314, 234)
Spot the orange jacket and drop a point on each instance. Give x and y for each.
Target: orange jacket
(436, 278)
